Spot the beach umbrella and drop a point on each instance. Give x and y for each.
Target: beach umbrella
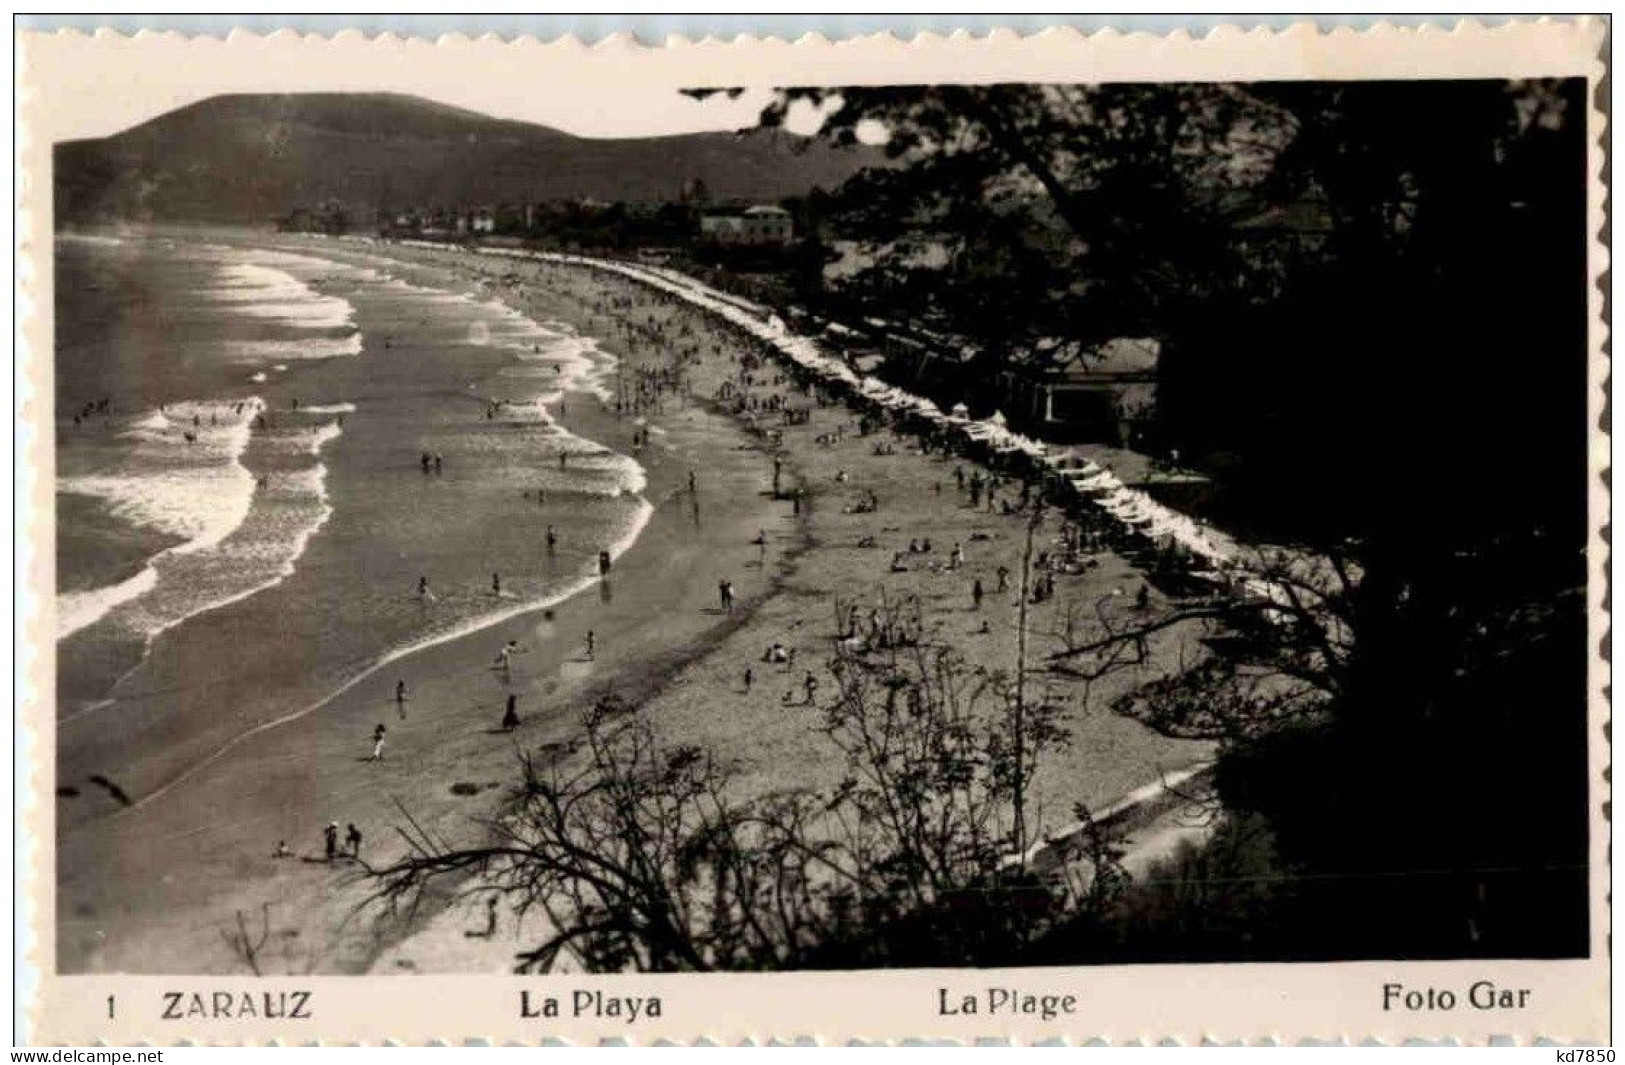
(959, 410)
(998, 419)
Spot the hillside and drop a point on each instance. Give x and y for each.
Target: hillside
(250, 158)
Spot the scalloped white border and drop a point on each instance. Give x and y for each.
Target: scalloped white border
(1323, 1000)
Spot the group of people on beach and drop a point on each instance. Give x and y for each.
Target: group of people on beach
(94, 408)
(330, 844)
(352, 841)
(757, 392)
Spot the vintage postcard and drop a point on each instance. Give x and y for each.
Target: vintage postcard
(1053, 537)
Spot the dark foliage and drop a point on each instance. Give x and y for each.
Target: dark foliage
(1374, 340)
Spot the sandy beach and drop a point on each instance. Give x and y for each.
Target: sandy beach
(149, 888)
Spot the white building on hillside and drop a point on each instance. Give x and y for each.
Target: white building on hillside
(754, 225)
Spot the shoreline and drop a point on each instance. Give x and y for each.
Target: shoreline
(677, 662)
(139, 676)
(432, 671)
(701, 704)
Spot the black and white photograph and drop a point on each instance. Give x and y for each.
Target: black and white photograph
(825, 527)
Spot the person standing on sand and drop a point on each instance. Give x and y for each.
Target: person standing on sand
(423, 588)
(352, 840)
(330, 836)
(976, 594)
(377, 743)
(749, 677)
(496, 584)
(592, 644)
(691, 483)
(552, 539)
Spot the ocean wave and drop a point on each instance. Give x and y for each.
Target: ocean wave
(183, 475)
(260, 291)
(527, 412)
(455, 631)
(555, 350)
(312, 444)
(330, 408)
(263, 553)
(582, 366)
(551, 351)
(302, 315)
(259, 351)
(536, 373)
(92, 238)
(242, 534)
(431, 295)
(78, 610)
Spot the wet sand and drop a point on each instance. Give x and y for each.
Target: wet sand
(661, 641)
(149, 888)
(768, 731)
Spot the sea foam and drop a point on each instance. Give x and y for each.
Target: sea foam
(260, 291)
(78, 610)
(182, 474)
(468, 627)
(318, 347)
(239, 535)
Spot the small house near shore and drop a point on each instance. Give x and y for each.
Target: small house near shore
(1106, 393)
(752, 226)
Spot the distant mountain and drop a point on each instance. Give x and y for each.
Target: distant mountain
(250, 158)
